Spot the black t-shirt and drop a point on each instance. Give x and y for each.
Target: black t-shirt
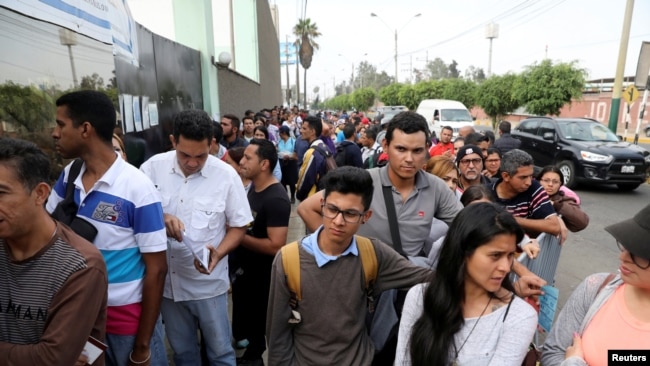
(270, 208)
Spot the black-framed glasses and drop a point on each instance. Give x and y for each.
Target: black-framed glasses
(642, 263)
(349, 216)
(466, 162)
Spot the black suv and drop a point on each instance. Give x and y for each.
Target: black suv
(584, 150)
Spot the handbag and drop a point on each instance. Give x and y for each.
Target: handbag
(534, 355)
(66, 211)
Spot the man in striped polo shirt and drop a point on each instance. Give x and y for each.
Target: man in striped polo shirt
(125, 208)
(524, 197)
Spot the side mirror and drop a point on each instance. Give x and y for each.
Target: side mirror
(548, 136)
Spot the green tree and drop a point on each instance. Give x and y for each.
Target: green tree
(364, 98)
(26, 106)
(306, 33)
(437, 69)
(461, 90)
(495, 96)
(431, 89)
(475, 74)
(545, 88)
(453, 70)
(408, 97)
(389, 95)
(92, 82)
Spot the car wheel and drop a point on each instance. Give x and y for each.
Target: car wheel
(628, 186)
(569, 172)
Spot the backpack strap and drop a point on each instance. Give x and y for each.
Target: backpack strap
(368, 259)
(369, 264)
(291, 266)
(607, 280)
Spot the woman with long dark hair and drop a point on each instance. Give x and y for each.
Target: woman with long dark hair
(468, 314)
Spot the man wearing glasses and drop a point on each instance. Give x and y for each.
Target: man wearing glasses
(334, 300)
(470, 163)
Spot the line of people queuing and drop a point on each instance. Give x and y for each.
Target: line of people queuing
(170, 239)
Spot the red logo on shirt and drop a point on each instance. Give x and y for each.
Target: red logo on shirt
(421, 213)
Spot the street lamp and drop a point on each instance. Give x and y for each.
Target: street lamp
(396, 32)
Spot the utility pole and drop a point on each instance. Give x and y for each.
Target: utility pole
(396, 80)
(297, 80)
(288, 91)
(491, 32)
(620, 67)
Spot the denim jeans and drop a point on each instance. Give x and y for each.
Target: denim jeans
(181, 320)
(120, 346)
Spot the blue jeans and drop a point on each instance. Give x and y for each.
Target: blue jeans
(181, 324)
(120, 346)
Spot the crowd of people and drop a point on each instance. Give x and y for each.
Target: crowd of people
(411, 243)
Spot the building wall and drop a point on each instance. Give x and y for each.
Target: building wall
(269, 56)
(592, 105)
(239, 92)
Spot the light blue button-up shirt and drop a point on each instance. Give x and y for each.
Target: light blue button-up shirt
(310, 244)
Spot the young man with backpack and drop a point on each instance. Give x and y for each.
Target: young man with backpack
(316, 162)
(318, 315)
(348, 152)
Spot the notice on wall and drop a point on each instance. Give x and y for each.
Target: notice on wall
(548, 305)
(153, 114)
(145, 112)
(121, 102)
(127, 117)
(137, 113)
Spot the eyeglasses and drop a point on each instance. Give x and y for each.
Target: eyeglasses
(466, 162)
(349, 216)
(642, 263)
(550, 181)
(492, 161)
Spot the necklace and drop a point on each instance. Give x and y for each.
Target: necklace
(455, 363)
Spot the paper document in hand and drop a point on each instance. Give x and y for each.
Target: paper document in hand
(93, 349)
(198, 249)
(548, 305)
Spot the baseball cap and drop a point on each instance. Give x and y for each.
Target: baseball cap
(466, 150)
(365, 121)
(634, 233)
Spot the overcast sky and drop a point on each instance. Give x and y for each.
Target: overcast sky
(588, 31)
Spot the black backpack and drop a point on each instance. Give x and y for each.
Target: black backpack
(329, 163)
(340, 154)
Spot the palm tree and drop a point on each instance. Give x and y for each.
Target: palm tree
(306, 33)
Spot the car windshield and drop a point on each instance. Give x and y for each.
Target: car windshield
(586, 131)
(388, 115)
(456, 115)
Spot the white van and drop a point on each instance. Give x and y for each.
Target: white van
(442, 112)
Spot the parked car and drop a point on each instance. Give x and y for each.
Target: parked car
(388, 112)
(584, 150)
(646, 130)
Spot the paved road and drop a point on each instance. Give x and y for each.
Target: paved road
(594, 250)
